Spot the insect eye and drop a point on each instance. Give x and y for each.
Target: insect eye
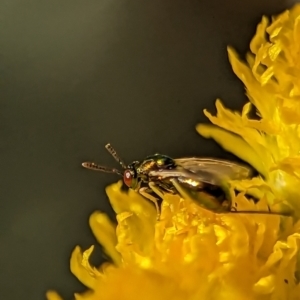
(128, 176)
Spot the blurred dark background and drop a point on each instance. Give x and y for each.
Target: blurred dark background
(78, 74)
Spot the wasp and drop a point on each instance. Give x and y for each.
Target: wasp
(200, 178)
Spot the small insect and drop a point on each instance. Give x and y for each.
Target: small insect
(201, 178)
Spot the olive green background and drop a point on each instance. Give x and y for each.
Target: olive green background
(78, 74)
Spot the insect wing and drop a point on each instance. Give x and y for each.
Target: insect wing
(211, 170)
(208, 170)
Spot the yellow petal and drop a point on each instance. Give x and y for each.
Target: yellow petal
(105, 232)
(130, 201)
(261, 97)
(290, 165)
(52, 295)
(133, 283)
(87, 295)
(265, 285)
(235, 123)
(234, 144)
(260, 36)
(136, 215)
(81, 268)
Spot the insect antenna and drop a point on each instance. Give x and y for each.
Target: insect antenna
(96, 167)
(114, 154)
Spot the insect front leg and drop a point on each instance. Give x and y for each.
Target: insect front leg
(146, 193)
(156, 189)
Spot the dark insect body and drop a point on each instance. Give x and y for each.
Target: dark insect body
(203, 179)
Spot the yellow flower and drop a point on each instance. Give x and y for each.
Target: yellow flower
(192, 253)
(270, 142)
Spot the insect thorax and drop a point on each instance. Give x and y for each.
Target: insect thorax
(157, 162)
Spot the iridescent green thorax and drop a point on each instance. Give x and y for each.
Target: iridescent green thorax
(156, 162)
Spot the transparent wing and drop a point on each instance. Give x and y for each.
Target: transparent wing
(218, 167)
(209, 170)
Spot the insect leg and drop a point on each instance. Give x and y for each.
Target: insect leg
(156, 189)
(204, 199)
(144, 192)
